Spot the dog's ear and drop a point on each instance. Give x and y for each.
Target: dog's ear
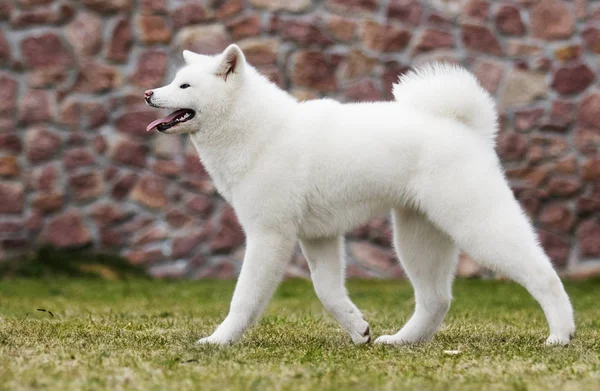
(191, 58)
(232, 62)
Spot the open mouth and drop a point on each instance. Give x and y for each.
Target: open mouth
(171, 120)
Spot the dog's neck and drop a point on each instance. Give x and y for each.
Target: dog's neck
(230, 143)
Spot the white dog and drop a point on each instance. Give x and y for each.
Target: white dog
(312, 171)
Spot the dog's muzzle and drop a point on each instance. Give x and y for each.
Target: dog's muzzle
(147, 95)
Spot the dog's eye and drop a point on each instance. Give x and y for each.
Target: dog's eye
(184, 86)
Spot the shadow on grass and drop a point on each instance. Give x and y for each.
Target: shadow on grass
(82, 263)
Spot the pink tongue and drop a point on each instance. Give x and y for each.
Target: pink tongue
(164, 120)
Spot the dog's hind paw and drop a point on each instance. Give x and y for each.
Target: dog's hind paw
(212, 340)
(554, 340)
(396, 340)
(388, 340)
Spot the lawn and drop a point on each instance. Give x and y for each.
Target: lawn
(140, 334)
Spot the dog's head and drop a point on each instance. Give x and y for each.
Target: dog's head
(203, 88)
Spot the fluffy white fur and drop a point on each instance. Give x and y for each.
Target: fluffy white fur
(311, 171)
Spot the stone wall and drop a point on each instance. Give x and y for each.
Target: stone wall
(78, 169)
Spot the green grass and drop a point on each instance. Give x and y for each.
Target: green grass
(140, 334)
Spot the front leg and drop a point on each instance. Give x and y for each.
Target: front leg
(326, 262)
(266, 258)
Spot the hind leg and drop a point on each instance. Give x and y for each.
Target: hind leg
(429, 258)
(326, 262)
(489, 225)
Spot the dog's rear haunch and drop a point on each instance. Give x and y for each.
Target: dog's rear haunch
(312, 171)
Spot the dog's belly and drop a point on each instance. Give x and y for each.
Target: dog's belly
(327, 220)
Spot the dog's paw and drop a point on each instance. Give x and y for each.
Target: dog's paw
(393, 340)
(362, 337)
(213, 340)
(555, 340)
(361, 333)
(387, 340)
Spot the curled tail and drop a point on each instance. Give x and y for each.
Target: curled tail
(450, 91)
